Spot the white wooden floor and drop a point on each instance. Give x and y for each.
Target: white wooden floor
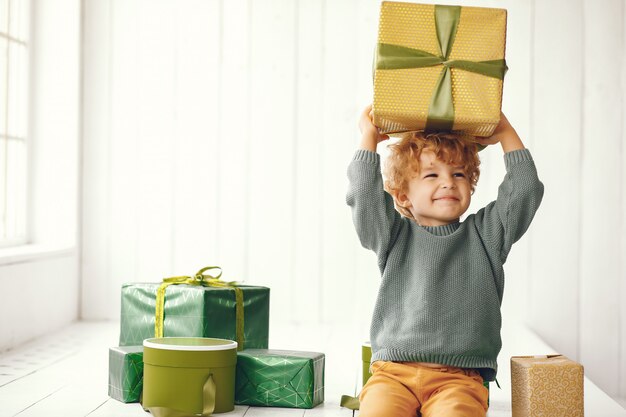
(66, 374)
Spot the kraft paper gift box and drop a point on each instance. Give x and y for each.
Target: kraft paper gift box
(126, 373)
(547, 386)
(439, 68)
(279, 378)
(199, 306)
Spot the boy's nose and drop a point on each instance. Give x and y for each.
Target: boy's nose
(447, 183)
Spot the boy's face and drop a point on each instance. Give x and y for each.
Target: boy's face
(439, 194)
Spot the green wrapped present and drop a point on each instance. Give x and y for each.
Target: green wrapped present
(199, 306)
(126, 373)
(279, 378)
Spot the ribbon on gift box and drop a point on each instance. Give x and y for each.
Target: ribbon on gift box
(202, 279)
(209, 390)
(441, 109)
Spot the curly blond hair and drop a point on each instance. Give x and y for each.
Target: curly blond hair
(403, 162)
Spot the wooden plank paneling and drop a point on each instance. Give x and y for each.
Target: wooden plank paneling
(601, 187)
(622, 275)
(233, 141)
(305, 272)
(272, 411)
(95, 167)
(198, 46)
(272, 163)
(122, 202)
(113, 407)
(58, 362)
(156, 85)
(556, 135)
(337, 131)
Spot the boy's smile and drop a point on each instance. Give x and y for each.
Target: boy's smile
(439, 194)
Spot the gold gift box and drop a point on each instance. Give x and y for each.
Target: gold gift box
(402, 97)
(547, 386)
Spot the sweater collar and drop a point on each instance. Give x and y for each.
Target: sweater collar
(444, 230)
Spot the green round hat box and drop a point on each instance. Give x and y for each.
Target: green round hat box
(188, 376)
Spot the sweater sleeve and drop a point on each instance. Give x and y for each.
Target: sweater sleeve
(504, 221)
(373, 213)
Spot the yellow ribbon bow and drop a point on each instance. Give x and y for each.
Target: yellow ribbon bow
(206, 280)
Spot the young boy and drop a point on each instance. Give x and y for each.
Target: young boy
(435, 331)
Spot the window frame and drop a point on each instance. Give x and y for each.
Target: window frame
(14, 204)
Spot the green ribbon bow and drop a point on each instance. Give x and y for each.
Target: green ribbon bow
(441, 109)
(206, 280)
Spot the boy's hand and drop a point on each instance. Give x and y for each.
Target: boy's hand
(505, 134)
(370, 135)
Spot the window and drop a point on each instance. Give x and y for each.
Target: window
(14, 31)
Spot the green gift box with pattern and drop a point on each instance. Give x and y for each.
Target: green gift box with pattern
(126, 373)
(199, 306)
(279, 378)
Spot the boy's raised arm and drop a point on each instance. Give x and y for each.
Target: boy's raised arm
(506, 135)
(373, 213)
(505, 220)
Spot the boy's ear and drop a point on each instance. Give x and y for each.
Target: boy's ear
(402, 200)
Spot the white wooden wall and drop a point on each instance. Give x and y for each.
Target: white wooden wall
(578, 274)
(219, 132)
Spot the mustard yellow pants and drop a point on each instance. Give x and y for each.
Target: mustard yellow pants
(406, 389)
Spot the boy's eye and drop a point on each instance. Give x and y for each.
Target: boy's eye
(430, 176)
(459, 174)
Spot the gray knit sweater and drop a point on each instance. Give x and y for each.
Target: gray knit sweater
(441, 289)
